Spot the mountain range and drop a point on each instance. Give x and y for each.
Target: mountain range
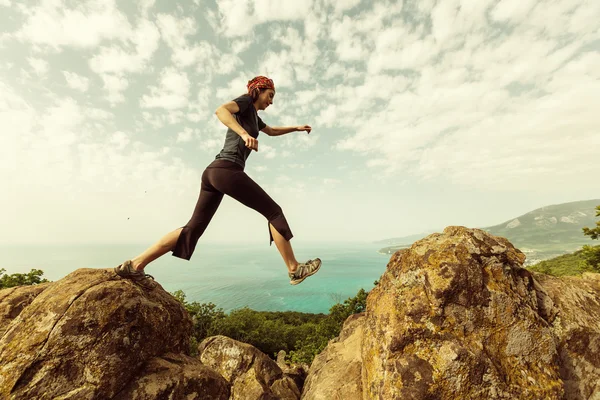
(541, 234)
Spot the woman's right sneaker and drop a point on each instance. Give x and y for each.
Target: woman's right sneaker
(304, 270)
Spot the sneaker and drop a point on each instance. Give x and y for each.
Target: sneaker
(304, 270)
(127, 271)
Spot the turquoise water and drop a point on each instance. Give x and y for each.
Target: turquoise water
(231, 276)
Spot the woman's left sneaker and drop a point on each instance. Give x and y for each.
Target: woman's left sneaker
(126, 270)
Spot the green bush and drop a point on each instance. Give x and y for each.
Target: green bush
(31, 278)
(301, 335)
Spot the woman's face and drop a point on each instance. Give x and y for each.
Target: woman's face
(265, 99)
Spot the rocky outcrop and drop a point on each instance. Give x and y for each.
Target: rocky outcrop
(456, 316)
(176, 376)
(14, 300)
(251, 373)
(577, 329)
(93, 335)
(336, 372)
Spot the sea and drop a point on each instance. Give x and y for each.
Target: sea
(231, 276)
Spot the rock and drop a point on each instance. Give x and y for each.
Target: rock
(87, 336)
(281, 359)
(297, 372)
(456, 316)
(251, 373)
(14, 300)
(577, 328)
(336, 372)
(176, 376)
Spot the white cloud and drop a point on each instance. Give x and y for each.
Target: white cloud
(239, 17)
(172, 93)
(119, 139)
(115, 85)
(117, 60)
(427, 95)
(343, 5)
(511, 10)
(5, 3)
(185, 136)
(350, 46)
(54, 24)
(98, 114)
(78, 171)
(266, 151)
(199, 109)
(145, 6)
(39, 66)
(239, 45)
(75, 81)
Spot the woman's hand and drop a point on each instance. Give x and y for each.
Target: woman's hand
(251, 143)
(306, 128)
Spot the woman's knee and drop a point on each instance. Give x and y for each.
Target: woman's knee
(275, 212)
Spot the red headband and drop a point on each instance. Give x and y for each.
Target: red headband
(260, 82)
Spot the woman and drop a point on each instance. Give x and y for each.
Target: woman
(225, 175)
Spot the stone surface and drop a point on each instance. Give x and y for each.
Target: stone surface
(251, 373)
(456, 316)
(577, 328)
(176, 376)
(87, 335)
(14, 300)
(336, 372)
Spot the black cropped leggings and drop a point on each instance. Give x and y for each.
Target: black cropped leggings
(226, 177)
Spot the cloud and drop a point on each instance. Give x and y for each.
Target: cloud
(239, 17)
(115, 85)
(330, 181)
(39, 66)
(118, 60)
(172, 93)
(476, 109)
(145, 6)
(55, 25)
(185, 136)
(75, 81)
(79, 171)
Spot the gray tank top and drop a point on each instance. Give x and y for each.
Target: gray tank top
(234, 148)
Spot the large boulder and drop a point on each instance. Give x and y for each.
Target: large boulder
(336, 372)
(176, 376)
(251, 373)
(577, 328)
(456, 316)
(14, 300)
(87, 335)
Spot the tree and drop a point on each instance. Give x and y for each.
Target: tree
(592, 254)
(33, 277)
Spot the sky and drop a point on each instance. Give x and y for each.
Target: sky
(424, 114)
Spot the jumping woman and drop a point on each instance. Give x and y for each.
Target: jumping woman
(225, 175)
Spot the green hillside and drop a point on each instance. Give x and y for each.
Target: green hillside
(541, 234)
(567, 264)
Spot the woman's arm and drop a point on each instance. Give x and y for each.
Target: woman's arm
(282, 130)
(225, 114)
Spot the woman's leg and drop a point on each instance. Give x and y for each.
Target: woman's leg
(182, 241)
(164, 245)
(238, 185)
(285, 249)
